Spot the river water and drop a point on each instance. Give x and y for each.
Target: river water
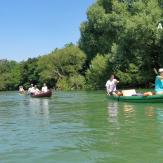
(79, 127)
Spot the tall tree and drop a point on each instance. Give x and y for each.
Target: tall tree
(29, 72)
(10, 75)
(61, 64)
(126, 31)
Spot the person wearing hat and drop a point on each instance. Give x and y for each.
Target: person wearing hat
(159, 82)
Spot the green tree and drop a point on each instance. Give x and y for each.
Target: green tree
(61, 64)
(29, 72)
(106, 20)
(98, 72)
(76, 82)
(10, 75)
(127, 31)
(140, 42)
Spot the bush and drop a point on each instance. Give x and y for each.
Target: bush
(98, 73)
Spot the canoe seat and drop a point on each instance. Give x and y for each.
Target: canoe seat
(129, 92)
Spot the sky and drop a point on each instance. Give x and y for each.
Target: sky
(29, 28)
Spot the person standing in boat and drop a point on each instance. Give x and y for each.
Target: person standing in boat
(159, 82)
(44, 88)
(111, 85)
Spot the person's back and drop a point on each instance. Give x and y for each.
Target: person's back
(111, 85)
(44, 88)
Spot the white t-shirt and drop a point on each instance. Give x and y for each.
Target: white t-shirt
(44, 89)
(111, 85)
(36, 91)
(31, 90)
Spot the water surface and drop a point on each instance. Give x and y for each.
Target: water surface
(79, 127)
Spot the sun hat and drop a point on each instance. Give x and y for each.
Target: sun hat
(160, 70)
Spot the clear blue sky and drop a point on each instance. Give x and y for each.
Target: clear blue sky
(29, 28)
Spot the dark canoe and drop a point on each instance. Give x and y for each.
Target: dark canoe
(42, 94)
(139, 99)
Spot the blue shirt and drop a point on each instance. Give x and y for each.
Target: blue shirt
(158, 84)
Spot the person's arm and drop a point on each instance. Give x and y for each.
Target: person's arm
(159, 77)
(116, 81)
(108, 85)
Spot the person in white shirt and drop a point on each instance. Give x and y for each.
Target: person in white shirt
(111, 85)
(31, 89)
(44, 88)
(36, 90)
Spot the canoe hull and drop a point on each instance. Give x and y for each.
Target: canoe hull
(139, 99)
(40, 95)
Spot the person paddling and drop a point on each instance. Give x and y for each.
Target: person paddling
(159, 82)
(111, 85)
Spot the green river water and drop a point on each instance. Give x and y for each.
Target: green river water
(79, 127)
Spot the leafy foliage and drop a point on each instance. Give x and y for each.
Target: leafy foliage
(98, 72)
(63, 66)
(76, 82)
(29, 72)
(127, 32)
(10, 75)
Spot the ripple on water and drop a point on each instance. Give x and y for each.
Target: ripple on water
(78, 127)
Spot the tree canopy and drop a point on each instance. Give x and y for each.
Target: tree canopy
(119, 37)
(62, 65)
(127, 32)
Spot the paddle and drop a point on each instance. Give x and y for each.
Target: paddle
(156, 72)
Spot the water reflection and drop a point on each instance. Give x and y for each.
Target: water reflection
(159, 113)
(113, 112)
(129, 110)
(154, 112)
(39, 106)
(150, 111)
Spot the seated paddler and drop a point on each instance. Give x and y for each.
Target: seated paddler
(159, 82)
(111, 85)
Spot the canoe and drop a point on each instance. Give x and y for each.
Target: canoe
(139, 99)
(42, 94)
